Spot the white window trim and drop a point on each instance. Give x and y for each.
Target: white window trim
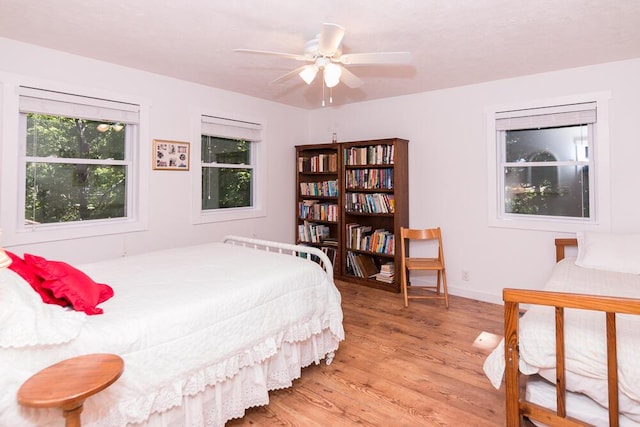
(259, 161)
(14, 233)
(601, 191)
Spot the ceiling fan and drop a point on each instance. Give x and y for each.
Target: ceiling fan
(324, 55)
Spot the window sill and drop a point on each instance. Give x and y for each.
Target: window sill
(231, 214)
(548, 224)
(57, 232)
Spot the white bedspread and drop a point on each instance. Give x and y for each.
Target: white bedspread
(585, 337)
(182, 319)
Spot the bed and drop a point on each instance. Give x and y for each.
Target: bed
(571, 358)
(205, 332)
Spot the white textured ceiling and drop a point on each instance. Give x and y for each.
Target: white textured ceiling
(452, 42)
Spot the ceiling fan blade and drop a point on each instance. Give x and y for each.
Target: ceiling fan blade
(289, 74)
(350, 79)
(267, 52)
(330, 39)
(375, 58)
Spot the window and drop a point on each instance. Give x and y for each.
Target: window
(230, 186)
(227, 173)
(75, 166)
(547, 159)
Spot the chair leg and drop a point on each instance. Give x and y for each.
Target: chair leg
(403, 279)
(438, 278)
(444, 288)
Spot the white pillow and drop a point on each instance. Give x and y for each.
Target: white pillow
(609, 251)
(27, 321)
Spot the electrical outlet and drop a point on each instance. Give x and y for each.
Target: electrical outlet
(465, 275)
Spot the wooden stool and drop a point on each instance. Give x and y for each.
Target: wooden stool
(68, 383)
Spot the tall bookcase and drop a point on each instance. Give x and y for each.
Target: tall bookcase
(318, 206)
(372, 203)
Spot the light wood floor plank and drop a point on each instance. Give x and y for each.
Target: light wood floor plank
(414, 366)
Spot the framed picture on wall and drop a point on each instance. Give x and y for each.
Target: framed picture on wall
(170, 155)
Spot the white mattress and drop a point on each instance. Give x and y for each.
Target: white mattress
(578, 406)
(182, 319)
(585, 338)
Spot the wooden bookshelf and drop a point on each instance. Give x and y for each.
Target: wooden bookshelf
(372, 203)
(376, 205)
(318, 205)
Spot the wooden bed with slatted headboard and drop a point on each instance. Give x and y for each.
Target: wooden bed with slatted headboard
(517, 406)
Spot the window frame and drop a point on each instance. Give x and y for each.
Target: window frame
(258, 161)
(14, 160)
(216, 165)
(24, 159)
(599, 190)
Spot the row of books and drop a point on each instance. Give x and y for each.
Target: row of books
(329, 251)
(310, 232)
(369, 203)
(369, 178)
(369, 155)
(324, 188)
(361, 265)
(318, 163)
(312, 209)
(364, 238)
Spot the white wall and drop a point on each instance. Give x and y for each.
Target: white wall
(448, 167)
(169, 193)
(447, 150)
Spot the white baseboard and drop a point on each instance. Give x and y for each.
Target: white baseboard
(464, 292)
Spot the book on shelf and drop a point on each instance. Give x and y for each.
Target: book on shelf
(314, 210)
(355, 233)
(310, 232)
(330, 241)
(387, 273)
(362, 237)
(323, 188)
(318, 163)
(388, 268)
(351, 263)
(370, 203)
(369, 178)
(361, 265)
(385, 279)
(380, 154)
(367, 265)
(331, 253)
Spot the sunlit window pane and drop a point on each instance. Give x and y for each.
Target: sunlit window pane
(224, 184)
(227, 151)
(71, 138)
(75, 170)
(74, 192)
(226, 188)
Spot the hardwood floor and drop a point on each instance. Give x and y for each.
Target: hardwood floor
(414, 366)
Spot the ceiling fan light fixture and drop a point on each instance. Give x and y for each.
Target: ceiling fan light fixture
(308, 74)
(332, 73)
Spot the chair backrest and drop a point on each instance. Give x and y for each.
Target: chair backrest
(422, 234)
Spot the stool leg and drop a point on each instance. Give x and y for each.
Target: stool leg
(72, 415)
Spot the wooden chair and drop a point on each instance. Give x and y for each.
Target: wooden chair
(67, 384)
(425, 264)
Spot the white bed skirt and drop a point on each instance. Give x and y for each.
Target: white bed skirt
(249, 388)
